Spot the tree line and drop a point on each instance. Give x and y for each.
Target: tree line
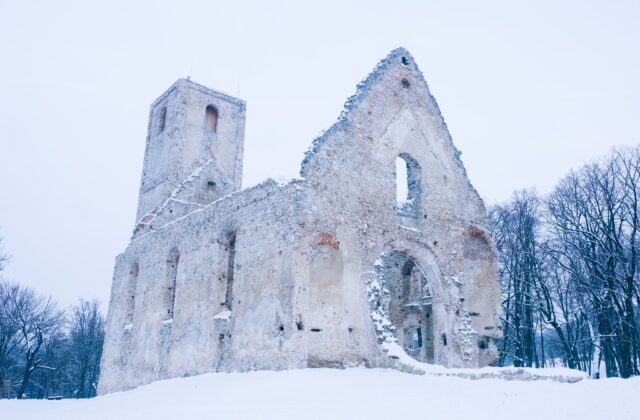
(47, 352)
(569, 270)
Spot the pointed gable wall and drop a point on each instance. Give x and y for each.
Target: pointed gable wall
(351, 180)
(393, 113)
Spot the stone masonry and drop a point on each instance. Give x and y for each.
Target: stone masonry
(323, 271)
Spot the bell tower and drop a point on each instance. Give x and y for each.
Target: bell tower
(195, 141)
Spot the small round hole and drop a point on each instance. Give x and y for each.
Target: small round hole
(405, 83)
(405, 61)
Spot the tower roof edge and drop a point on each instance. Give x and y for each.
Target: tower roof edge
(190, 84)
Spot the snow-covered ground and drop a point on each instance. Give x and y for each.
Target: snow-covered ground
(353, 394)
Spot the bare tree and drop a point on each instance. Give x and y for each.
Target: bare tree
(4, 258)
(39, 323)
(10, 349)
(593, 215)
(44, 350)
(86, 334)
(515, 227)
(569, 267)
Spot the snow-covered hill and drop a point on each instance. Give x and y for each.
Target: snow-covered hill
(352, 394)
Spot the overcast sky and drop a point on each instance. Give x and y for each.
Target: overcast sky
(528, 90)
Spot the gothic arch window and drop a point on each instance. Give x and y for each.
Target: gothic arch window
(131, 288)
(212, 118)
(408, 186)
(326, 280)
(171, 276)
(479, 275)
(231, 257)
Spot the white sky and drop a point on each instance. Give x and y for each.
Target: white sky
(528, 90)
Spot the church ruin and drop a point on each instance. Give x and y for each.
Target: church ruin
(326, 270)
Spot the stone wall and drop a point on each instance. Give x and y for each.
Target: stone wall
(200, 336)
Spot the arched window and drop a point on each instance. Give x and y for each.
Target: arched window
(132, 283)
(408, 186)
(170, 283)
(231, 265)
(326, 285)
(231, 257)
(212, 118)
(480, 286)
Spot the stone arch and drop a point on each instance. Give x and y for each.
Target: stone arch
(479, 268)
(481, 289)
(414, 299)
(408, 184)
(421, 253)
(326, 271)
(323, 321)
(409, 305)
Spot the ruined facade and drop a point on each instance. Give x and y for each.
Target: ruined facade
(328, 270)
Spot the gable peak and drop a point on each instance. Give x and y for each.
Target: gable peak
(398, 59)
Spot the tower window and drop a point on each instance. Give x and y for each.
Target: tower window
(212, 118)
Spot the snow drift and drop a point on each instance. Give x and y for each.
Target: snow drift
(356, 393)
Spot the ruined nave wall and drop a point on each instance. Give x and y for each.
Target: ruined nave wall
(195, 333)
